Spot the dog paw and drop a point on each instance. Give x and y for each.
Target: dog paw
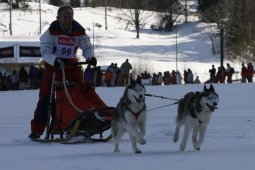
(116, 150)
(142, 141)
(196, 147)
(138, 151)
(182, 148)
(175, 139)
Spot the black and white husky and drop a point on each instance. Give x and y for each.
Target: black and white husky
(194, 112)
(130, 115)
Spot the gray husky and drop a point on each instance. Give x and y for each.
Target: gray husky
(130, 115)
(194, 112)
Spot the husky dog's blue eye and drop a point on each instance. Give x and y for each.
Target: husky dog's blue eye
(210, 97)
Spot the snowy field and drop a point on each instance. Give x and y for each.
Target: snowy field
(154, 51)
(230, 138)
(229, 142)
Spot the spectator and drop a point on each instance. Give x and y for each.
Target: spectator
(173, 77)
(32, 76)
(113, 74)
(160, 78)
(99, 76)
(107, 78)
(166, 78)
(178, 77)
(23, 78)
(146, 78)
(197, 81)
(14, 80)
(190, 77)
(229, 72)
(250, 72)
(154, 79)
(221, 74)
(117, 71)
(185, 76)
(6, 82)
(244, 73)
(212, 72)
(88, 74)
(39, 76)
(125, 69)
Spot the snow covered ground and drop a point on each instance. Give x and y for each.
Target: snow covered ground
(229, 142)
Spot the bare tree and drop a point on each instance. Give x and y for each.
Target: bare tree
(240, 20)
(135, 15)
(171, 14)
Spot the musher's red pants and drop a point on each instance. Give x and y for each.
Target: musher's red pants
(72, 74)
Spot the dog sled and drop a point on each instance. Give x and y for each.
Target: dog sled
(71, 116)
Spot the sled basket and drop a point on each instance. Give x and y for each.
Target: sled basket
(76, 110)
(87, 125)
(93, 121)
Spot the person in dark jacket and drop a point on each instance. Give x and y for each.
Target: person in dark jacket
(125, 69)
(23, 76)
(99, 76)
(243, 73)
(212, 72)
(229, 73)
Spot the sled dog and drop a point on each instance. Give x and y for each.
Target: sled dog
(130, 115)
(194, 112)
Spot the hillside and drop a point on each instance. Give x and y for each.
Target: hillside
(154, 51)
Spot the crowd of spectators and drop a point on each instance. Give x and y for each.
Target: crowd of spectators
(21, 79)
(225, 75)
(119, 76)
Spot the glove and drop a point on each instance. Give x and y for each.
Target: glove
(92, 61)
(58, 63)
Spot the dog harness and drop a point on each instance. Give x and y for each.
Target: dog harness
(195, 106)
(136, 114)
(193, 114)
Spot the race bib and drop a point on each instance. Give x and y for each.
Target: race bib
(66, 47)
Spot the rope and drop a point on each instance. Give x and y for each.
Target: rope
(79, 110)
(162, 106)
(70, 99)
(162, 97)
(66, 90)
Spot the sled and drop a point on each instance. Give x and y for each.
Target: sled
(69, 119)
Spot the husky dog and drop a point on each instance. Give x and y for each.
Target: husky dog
(130, 115)
(194, 111)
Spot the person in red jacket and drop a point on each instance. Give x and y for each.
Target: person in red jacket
(250, 72)
(58, 46)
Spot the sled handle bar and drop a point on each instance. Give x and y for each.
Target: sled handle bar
(77, 63)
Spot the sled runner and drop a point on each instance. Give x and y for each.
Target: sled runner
(76, 110)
